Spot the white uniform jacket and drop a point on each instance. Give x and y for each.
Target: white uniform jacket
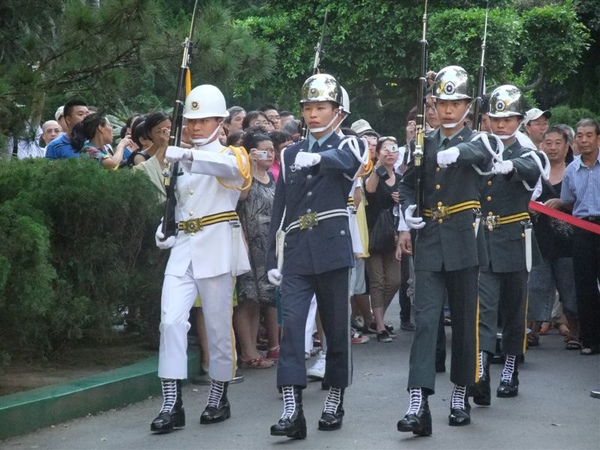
(218, 248)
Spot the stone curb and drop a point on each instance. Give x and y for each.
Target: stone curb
(25, 412)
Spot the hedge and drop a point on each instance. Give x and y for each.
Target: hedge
(77, 254)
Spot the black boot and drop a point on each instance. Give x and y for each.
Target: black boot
(292, 423)
(509, 385)
(418, 416)
(172, 414)
(460, 409)
(217, 408)
(333, 412)
(481, 391)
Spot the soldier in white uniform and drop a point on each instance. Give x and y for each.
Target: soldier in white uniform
(206, 254)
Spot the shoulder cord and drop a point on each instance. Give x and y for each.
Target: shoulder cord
(544, 171)
(366, 163)
(243, 163)
(496, 155)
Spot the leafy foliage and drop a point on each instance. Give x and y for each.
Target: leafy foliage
(76, 249)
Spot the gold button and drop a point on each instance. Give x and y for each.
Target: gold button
(192, 234)
(474, 224)
(440, 221)
(490, 214)
(191, 213)
(439, 203)
(522, 234)
(438, 187)
(489, 182)
(437, 169)
(489, 199)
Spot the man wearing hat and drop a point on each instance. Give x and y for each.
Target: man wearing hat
(536, 124)
(310, 253)
(59, 116)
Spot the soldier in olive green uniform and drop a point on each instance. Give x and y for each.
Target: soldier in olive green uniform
(510, 243)
(449, 249)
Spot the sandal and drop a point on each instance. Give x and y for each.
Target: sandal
(586, 351)
(573, 344)
(258, 363)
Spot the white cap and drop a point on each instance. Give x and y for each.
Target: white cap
(534, 114)
(361, 126)
(59, 112)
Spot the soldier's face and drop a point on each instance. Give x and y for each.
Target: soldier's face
(451, 111)
(202, 128)
(318, 115)
(505, 126)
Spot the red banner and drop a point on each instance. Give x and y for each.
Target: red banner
(580, 223)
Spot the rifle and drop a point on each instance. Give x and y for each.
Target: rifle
(480, 79)
(315, 69)
(421, 118)
(169, 226)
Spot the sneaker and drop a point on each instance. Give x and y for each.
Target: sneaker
(357, 322)
(359, 338)
(384, 336)
(317, 371)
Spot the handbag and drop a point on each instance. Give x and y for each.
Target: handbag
(383, 234)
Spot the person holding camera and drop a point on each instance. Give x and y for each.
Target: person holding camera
(382, 267)
(253, 288)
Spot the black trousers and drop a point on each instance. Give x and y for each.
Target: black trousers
(586, 266)
(333, 302)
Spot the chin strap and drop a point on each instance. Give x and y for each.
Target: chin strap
(326, 127)
(452, 125)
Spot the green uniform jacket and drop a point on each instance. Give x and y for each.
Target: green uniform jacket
(452, 244)
(505, 196)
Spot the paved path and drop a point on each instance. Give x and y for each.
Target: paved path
(553, 410)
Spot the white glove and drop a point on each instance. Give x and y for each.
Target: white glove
(415, 223)
(503, 167)
(305, 159)
(161, 242)
(447, 157)
(178, 154)
(274, 276)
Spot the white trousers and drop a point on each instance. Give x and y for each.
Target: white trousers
(178, 296)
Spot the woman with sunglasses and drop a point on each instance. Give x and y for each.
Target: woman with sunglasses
(382, 267)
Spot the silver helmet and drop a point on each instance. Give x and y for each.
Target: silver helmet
(321, 87)
(451, 83)
(507, 101)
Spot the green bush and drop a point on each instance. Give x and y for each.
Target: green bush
(570, 116)
(76, 252)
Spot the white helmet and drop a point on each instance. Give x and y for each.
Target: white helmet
(345, 101)
(205, 101)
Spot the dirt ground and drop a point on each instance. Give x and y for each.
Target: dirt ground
(75, 362)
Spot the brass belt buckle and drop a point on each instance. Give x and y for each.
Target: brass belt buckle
(308, 220)
(492, 222)
(439, 213)
(192, 225)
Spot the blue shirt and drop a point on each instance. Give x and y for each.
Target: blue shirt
(581, 188)
(61, 148)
